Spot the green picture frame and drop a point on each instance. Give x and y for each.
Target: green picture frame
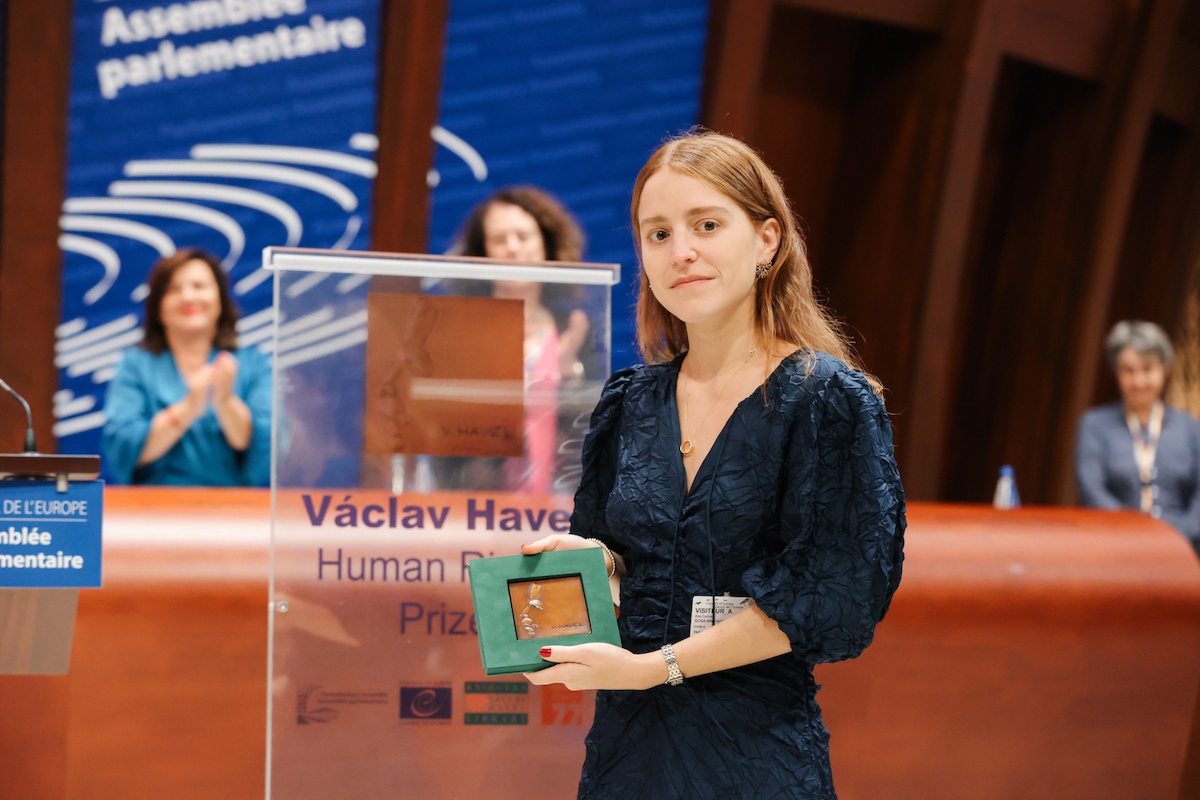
(510, 637)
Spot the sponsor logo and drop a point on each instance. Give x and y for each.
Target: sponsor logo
(426, 703)
(309, 709)
(315, 704)
(561, 706)
(496, 703)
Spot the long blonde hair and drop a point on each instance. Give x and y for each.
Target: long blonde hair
(786, 312)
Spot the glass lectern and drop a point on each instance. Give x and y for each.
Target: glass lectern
(428, 411)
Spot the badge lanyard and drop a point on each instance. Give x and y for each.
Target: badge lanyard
(1145, 448)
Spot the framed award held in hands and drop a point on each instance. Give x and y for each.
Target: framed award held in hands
(523, 603)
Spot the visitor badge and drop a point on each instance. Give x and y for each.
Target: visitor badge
(702, 610)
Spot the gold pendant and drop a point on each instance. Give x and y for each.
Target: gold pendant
(686, 447)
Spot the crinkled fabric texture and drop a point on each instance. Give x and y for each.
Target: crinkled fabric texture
(798, 505)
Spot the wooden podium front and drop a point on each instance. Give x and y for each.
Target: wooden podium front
(37, 625)
(36, 636)
(1037, 653)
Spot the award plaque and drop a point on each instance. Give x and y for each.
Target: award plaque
(523, 603)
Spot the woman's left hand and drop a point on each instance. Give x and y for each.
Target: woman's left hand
(599, 665)
(556, 541)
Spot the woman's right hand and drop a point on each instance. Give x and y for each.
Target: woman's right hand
(599, 665)
(569, 541)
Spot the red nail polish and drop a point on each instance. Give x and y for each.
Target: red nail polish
(544, 652)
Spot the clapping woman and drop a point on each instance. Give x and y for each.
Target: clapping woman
(188, 407)
(524, 223)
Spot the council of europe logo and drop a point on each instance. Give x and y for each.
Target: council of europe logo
(425, 702)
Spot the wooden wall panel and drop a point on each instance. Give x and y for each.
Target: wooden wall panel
(737, 44)
(1018, 313)
(886, 179)
(3, 69)
(969, 68)
(801, 114)
(928, 15)
(1178, 98)
(32, 146)
(193, 653)
(998, 171)
(1070, 36)
(409, 86)
(1158, 253)
(34, 62)
(1131, 89)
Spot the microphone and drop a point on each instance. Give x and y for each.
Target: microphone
(30, 442)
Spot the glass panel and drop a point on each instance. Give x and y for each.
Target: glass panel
(427, 412)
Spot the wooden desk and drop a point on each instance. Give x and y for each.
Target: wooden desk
(1039, 653)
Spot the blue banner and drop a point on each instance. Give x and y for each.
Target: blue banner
(572, 96)
(229, 125)
(48, 538)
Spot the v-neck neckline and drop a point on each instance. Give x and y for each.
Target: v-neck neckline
(677, 431)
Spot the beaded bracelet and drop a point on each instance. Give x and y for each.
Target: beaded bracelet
(612, 559)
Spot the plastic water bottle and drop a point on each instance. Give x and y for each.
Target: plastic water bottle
(1006, 496)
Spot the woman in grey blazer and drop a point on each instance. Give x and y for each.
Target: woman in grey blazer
(1139, 452)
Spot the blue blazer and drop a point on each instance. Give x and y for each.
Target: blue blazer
(1108, 476)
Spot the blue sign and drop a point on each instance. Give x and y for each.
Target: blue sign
(50, 539)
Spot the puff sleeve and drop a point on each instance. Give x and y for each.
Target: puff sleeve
(600, 454)
(841, 522)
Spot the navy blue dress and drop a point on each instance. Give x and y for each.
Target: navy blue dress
(799, 506)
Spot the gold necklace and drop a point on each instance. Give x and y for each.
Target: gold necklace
(686, 447)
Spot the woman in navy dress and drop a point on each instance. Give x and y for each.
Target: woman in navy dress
(749, 461)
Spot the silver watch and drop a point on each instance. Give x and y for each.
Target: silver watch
(674, 676)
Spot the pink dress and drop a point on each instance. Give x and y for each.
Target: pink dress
(534, 473)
